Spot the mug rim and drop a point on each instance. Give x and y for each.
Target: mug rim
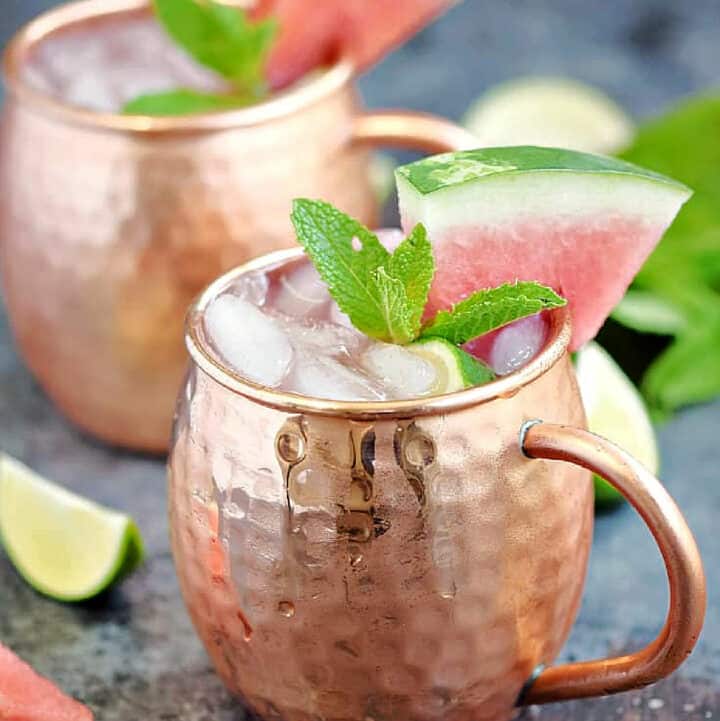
(212, 365)
(283, 103)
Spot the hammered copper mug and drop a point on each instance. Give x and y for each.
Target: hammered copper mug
(415, 560)
(112, 224)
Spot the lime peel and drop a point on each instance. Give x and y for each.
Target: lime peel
(616, 411)
(65, 546)
(456, 369)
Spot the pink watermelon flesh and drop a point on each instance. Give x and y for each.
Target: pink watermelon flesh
(582, 224)
(315, 32)
(593, 277)
(27, 696)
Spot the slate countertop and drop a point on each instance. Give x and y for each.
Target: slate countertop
(133, 655)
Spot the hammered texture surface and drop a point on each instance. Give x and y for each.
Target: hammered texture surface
(106, 237)
(414, 569)
(132, 654)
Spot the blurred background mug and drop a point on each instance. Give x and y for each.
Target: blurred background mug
(111, 223)
(413, 559)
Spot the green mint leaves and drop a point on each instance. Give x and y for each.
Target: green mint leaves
(182, 102)
(491, 308)
(385, 294)
(677, 292)
(224, 40)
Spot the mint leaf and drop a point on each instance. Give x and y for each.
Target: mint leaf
(182, 102)
(684, 270)
(688, 372)
(647, 312)
(396, 311)
(384, 295)
(492, 308)
(221, 38)
(327, 235)
(413, 265)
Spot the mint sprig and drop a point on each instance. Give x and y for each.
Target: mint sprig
(221, 38)
(491, 308)
(683, 273)
(385, 294)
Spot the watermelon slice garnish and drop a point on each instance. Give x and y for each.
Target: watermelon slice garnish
(583, 224)
(314, 32)
(27, 696)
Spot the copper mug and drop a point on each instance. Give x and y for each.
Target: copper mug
(112, 224)
(415, 560)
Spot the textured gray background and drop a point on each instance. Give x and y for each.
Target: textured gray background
(133, 655)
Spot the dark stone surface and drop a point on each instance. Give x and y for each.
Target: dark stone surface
(133, 654)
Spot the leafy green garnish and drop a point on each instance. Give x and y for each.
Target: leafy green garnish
(385, 294)
(182, 102)
(412, 266)
(223, 39)
(647, 312)
(687, 372)
(684, 271)
(491, 308)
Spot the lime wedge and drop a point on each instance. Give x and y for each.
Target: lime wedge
(63, 545)
(614, 410)
(550, 111)
(455, 368)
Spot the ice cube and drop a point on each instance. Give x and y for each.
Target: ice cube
(301, 292)
(89, 89)
(252, 287)
(404, 373)
(517, 343)
(338, 317)
(253, 343)
(327, 338)
(324, 377)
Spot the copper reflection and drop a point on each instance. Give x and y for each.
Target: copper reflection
(396, 560)
(111, 224)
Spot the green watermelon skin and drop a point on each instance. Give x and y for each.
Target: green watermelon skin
(27, 696)
(583, 224)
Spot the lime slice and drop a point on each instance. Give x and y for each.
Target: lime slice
(455, 368)
(63, 545)
(614, 410)
(551, 111)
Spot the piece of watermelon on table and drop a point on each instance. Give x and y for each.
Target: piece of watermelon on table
(583, 224)
(314, 32)
(27, 696)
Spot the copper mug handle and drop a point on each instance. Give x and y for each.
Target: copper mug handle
(680, 553)
(411, 130)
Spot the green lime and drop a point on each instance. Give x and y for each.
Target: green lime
(456, 369)
(63, 545)
(551, 111)
(614, 410)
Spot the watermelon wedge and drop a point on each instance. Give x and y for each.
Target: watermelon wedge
(27, 696)
(314, 32)
(583, 224)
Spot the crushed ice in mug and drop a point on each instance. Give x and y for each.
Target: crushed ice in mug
(283, 330)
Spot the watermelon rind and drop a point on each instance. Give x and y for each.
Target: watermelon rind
(448, 170)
